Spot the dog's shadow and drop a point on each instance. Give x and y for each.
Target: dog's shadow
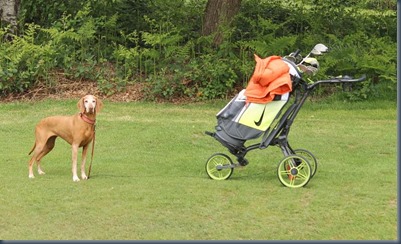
(101, 175)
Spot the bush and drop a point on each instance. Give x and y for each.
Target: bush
(161, 44)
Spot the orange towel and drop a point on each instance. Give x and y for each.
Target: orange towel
(271, 77)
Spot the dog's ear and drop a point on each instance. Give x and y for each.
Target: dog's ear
(80, 105)
(99, 105)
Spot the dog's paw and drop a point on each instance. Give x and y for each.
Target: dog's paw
(75, 178)
(84, 177)
(41, 172)
(31, 176)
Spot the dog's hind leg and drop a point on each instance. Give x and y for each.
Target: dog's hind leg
(39, 152)
(46, 149)
(31, 162)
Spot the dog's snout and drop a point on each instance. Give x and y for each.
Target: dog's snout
(90, 104)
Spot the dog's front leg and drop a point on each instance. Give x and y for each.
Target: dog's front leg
(84, 151)
(74, 162)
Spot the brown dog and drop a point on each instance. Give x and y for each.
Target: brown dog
(78, 130)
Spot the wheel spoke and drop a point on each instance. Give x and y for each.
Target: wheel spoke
(302, 176)
(302, 171)
(292, 180)
(212, 170)
(284, 172)
(215, 161)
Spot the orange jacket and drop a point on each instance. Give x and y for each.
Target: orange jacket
(271, 77)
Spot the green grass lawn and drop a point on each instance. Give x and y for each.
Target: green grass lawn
(148, 180)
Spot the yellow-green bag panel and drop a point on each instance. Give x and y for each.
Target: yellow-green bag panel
(260, 116)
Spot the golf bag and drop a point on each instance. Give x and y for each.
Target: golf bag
(240, 120)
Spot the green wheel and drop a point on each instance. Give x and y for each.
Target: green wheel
(218, 166)
(294, 171)
(310, 157)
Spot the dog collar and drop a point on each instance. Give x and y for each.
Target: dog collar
(87, 119)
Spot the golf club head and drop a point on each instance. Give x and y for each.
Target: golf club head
(311, 62)
(307, 69)
(295, 58)
(319, 49)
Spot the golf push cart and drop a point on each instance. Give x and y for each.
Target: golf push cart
(245, 118)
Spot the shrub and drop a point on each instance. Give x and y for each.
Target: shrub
(161, 44)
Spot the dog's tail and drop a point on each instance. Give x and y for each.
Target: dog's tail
(34, 145)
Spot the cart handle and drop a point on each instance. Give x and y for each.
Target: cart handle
(342, 79)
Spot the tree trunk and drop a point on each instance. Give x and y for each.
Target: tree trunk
(219, 15)
(9, 14)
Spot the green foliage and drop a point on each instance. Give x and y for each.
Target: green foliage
(381, 4)
(159, 43)
(211, 78)
(23, 61)
(373, 57)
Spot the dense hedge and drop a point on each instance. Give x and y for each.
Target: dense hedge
(159, 43)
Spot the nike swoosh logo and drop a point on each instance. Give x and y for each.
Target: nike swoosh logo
(261, 118)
